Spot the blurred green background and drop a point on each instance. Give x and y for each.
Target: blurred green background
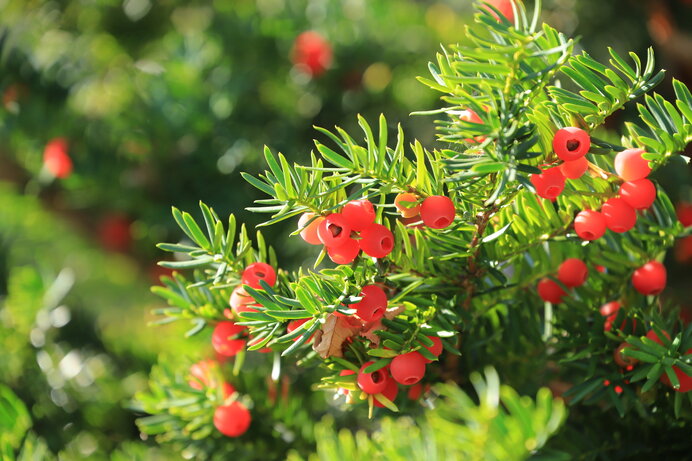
(162, 104)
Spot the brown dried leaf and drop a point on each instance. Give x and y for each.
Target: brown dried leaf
(369, 328)
(335, 331)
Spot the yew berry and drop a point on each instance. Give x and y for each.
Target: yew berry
(621, 360)
(115, 232)
(227, 390)
(221, 339)
(408, 368)
(435, 349)
(359, 214)
(415, 391)
(471, 116)
(258, 271)
(437, 211)
(650, 279)
(549, 184)
(610, 308)
(232, 420)
(376, 241)
(574, 169)
(372, 383)
(550, 291)
(56, 159)
(309, 228)
(590, 224)
(344, 254)
(571, 143)
(240, 299)
(407, 204)
(504, 7)
(295, 324)
(346, 373)
(373, 305)
(651, 334)
(312, 53)
(572, 272)
(619, 216)
(684, 379)
(639, 194)
(684, 212)
(200, 373)
(390, 392)
(630, 165)
(334, 231)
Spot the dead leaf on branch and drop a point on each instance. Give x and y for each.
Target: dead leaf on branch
(329, 340)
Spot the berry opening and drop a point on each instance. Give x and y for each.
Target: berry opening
(410, 380)
(387, 244)
(260, 274)
(573, 144)
(588, 235)
(442, 222)
(377, 312)
(377, 377)
(334, 229)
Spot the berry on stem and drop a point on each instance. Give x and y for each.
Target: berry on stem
(650, 279)
(574, 169)
(359, 214)
(619, 216)
(334, 231)
(590, 225)
(258, 271)
(309, 231)
(571, 143)
(630, 165)
(344, 254)
(390, 392)
(437, 211)
(639, 194)
(436, 349)
(373, 305)
(550, 291)
(408, 369)
(372, 383)
(221, 339)
(410, 209)
(232, 420)
(376, 241)
(549, 184)
(572, 272)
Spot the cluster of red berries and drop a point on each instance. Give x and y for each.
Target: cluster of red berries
(311, 53)
(619, 214)
(337, 231)
(406, 369)
(231, 419)
(683, 249)
(436, 211)
(629, 363)
(572, 273)
(227, 338)
(571, 145)
(55, 158)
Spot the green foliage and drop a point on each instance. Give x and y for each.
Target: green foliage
(501, 426)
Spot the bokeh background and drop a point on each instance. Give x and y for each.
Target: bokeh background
(163, 103)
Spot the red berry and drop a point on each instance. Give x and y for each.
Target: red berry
(571, 143)
(574, 169)
(373, 305)
(651, 334)
(436, 348)
(619, 216)
(376, 241)
(258, 271)
(240, 300)
(407, 205)
(232, 419)
(600, 268)
(621, 360)
(295, 324)
(684, 379)
(408, 369)
(609, 308)
(55, 158)
(390, 392)
(359, 214)
(309, 232)
(372, 383)
(505, 8)
(437, 211)
(590, 224)
(415, 391)
(114, 232)
(346, 373)
(312, 53)
(471, 116)
(549, 184)
(573, 272)
(200, 373)
(650, 279)
(227, 390)
(684, 212)
(221, 339)
(334, 231)
(639, 194)
(550, 291)
(630, 165)
(344, 254)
